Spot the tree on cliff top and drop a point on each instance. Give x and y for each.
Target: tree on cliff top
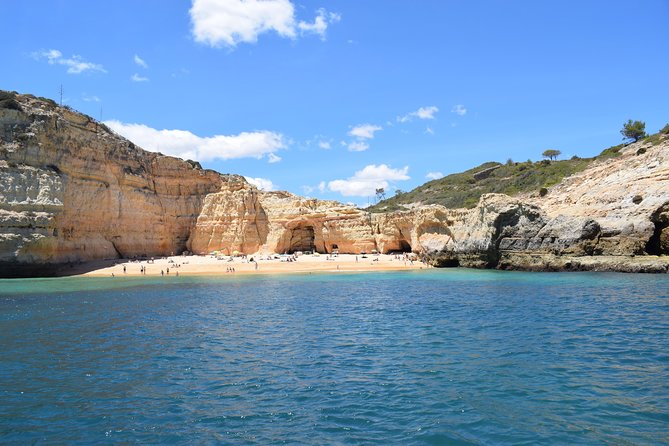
(551, 154)
(380, 194)
(634, 130)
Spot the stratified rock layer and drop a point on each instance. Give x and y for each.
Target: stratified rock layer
(73, 191)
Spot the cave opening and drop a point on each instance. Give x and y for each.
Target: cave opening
(302, 238)
(405, 246)
(658, 244)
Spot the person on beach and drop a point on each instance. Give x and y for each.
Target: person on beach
(123, 269)
(162, 273)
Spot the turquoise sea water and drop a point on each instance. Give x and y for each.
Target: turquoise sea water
(430, 357)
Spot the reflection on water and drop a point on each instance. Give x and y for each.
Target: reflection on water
(432, 357)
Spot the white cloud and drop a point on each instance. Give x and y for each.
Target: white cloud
(429, 131)
(261, 183)
(321, 186)
(434, 175)
(137, 78)
(75, 64)
(426, 112)
(364, 131)
(357, 146)
(91, 98)
(272, 158)
(421, 113)
(459, 110)
(320, 24)
(365, 182)
(229, 22)
(186, 145)
(139, 61)
(324, 144)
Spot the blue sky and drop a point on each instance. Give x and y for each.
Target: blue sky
(334, 99)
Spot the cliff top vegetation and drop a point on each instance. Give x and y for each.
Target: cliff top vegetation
(463, 190)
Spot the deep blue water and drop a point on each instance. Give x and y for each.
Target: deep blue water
(430, 357)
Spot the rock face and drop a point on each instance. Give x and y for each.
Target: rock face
(241, 218)
(617, 207)
(71, 191)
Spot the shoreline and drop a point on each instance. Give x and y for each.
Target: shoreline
(200, 265)
(208, 265)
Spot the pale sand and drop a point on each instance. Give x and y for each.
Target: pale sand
(208, 265)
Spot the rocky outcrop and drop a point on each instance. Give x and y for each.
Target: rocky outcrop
(71, 191)
(615, 209)
(242, 219)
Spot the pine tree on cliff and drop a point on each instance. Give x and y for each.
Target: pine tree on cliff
(634, 130)
(551, 154)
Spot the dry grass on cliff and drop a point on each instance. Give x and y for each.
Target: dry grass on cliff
(463, 190)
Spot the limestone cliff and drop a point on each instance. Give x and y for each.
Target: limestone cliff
(617, 207)
(71, 190)
(74, 191)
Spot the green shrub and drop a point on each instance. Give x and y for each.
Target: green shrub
(665, 130)
(543, 191)
(194, 164)
(611, 151)
(654, 139)
(8, 100)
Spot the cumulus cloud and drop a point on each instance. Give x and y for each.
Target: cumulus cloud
(357, 146)
(320, 24)
(434, 175)
(137, 78)
(139, 61)
(365, 182)
(364, 131)
(229, 22)
(361, 133)
(261, 183)
(324, 144)
(322, 186)
(74, 64)
(186, 145)
(421, 113)
(459, 110)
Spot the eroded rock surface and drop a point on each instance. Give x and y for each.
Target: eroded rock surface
(73, 191)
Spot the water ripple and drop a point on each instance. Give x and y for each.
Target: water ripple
(437, 357)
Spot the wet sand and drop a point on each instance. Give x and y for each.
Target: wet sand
(208, 265)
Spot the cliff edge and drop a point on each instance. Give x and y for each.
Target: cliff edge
(73, 191)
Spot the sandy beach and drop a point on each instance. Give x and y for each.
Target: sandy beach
(208, 265)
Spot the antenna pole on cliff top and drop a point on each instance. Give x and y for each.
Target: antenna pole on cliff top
(61, 95)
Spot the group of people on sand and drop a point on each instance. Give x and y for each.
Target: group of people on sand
(229, 269)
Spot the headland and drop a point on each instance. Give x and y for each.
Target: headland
(74, 192)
